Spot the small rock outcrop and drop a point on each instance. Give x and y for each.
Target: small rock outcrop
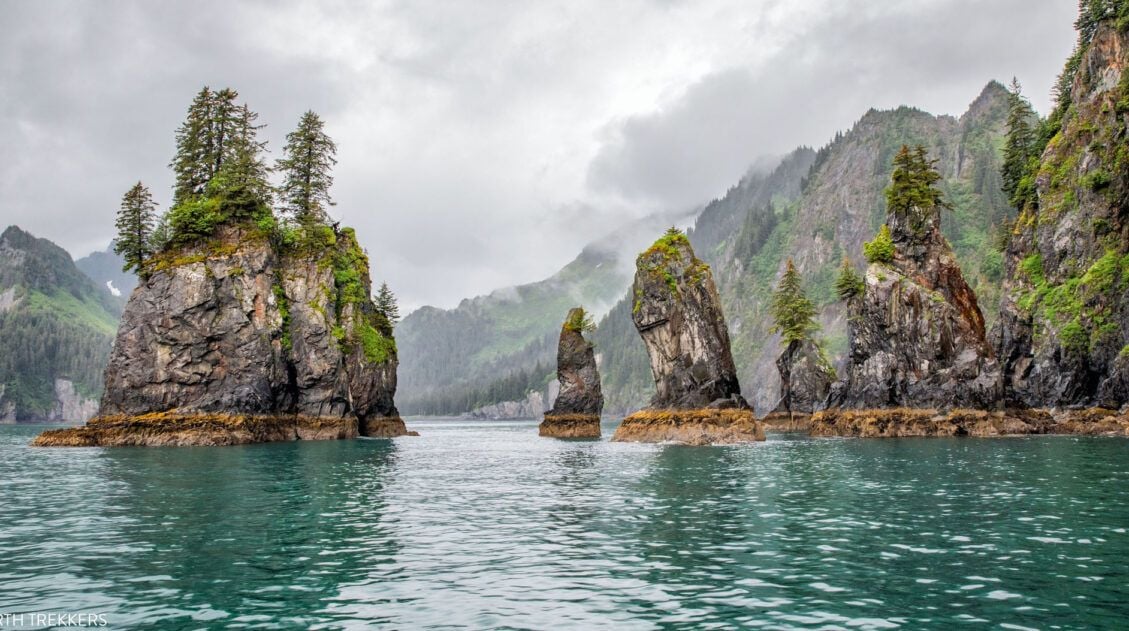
(905, 422)
(576, 411)
(1063, 331)
(806, 377)
(237, 339)
(916, 332)
(677, 312)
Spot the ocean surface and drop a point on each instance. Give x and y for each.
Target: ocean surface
(484, 525)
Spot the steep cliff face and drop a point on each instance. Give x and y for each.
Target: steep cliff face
(576, 410)
(805, 378)
(56, 328)
(677, 312)
(236, 326)
(1063, 333)
(917, 335)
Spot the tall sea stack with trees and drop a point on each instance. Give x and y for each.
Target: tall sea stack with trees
(917, 335)
(806, 374)
(677, 311)
(246, 326)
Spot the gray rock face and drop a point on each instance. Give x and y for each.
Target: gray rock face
(532, 406)
(677, 311)
(70, 405)
(805, 378)
(577, 373)
(235, 327)
(917, 334)
(1063, 331)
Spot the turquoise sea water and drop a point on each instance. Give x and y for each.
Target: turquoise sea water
(485, 525)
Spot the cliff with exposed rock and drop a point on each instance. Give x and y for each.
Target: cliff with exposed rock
(1063, 333)
(916, 332)
(238, 338)
(677, 312)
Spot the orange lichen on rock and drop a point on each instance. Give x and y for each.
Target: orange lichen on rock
(570, 426)
(906, 422)
(177, 429)
(703, 426)
(785, 422)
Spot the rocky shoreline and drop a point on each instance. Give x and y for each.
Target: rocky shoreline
(691, 427)
(172, 429)
(569, 426)
(911, 422)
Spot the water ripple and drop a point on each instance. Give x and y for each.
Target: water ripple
(484, 525)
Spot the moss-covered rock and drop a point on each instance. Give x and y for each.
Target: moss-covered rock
(248, 325)
(1064, 315)
(678, 315)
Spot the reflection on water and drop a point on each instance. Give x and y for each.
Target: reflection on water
(484, 525)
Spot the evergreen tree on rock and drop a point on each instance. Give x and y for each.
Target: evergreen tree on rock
(135, 225)
(792, 311)
(307, 160)
(1020, 148)
(386, 304)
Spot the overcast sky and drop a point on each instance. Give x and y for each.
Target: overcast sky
(481, 144)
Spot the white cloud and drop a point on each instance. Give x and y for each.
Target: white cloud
(482, 144)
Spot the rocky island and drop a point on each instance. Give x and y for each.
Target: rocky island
(921, 363)
(244, 327)
(576, 411)
(677, 312)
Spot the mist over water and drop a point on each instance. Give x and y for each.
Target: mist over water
(485, 525)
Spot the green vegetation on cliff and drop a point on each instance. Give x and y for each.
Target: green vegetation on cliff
(793, 314)
(54, 324)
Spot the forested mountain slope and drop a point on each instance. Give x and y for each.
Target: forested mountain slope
(816, 217)
(500, 346)
(56, 328)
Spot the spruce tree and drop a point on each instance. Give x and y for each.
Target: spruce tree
(307, 159)
(913, 191)
(849, 284)
(215, 131)
(191, 164)
(135, 224)
(242, 180)
(792, 313)
(161, 235)
(1019, 149)
(386, 304)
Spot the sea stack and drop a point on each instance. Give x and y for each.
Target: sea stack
(677, 311)
(576, 411)
(237, 339)
(806, 377)
(916, 332)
